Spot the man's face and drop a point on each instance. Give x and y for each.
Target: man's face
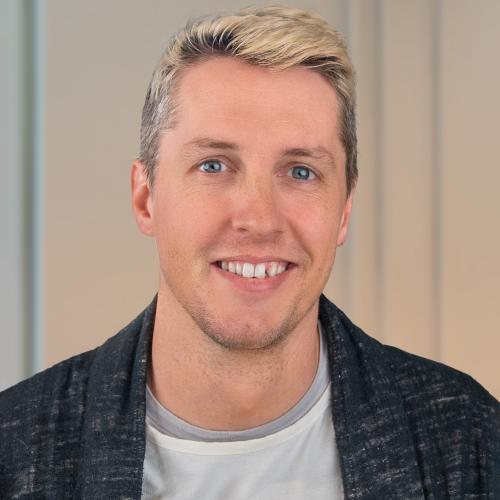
(250, 179)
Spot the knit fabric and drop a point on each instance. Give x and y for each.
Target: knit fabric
(406, 427)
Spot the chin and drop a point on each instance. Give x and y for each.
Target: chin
(248, 340)
(238, 334)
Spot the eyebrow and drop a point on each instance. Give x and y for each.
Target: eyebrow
(317, 153)
(208, 143)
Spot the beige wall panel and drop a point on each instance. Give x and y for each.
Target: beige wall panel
(338, 287)
(96, 265)
(470, 84)
(98, 271)
(407, 193)
(362, 244)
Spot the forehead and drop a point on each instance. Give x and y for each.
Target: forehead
(224, 96)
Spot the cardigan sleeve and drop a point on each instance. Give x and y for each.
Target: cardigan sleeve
(481, 457)
(455, 424)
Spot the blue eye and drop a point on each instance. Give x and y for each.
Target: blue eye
(302, 173)
(212, 166)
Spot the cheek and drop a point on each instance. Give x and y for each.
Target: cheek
(186, 219)
(316, 223)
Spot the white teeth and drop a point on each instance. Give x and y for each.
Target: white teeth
(248, 270)
(260, 270)
(273, 269)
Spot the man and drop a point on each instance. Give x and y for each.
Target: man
(241, 380)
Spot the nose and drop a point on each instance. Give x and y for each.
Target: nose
(256, 209)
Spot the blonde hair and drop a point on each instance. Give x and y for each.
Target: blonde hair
(274, 37)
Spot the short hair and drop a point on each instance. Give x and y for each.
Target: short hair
(273, 37)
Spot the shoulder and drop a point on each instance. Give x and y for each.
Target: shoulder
(65, 384)
(61, 389)
(453, 420)
(423, 381)
(432, 388)
(38, 417)
(453, 423)
(426, 378)
(53, 385)
(43, 419)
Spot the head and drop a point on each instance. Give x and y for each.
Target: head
(273, 37)
(248, 160)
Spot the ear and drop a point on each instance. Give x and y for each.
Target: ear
(142, 198)
(344, 221)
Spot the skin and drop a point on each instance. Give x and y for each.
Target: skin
(227, 354)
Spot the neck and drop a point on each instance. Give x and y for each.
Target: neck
(220, 389)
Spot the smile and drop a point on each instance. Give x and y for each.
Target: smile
(259, 270)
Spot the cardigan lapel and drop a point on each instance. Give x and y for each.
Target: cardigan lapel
(376, 450)
(113, 432)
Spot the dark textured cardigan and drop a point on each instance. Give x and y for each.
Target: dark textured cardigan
(406, 427)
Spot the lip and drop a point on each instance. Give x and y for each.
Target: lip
(254, 285)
